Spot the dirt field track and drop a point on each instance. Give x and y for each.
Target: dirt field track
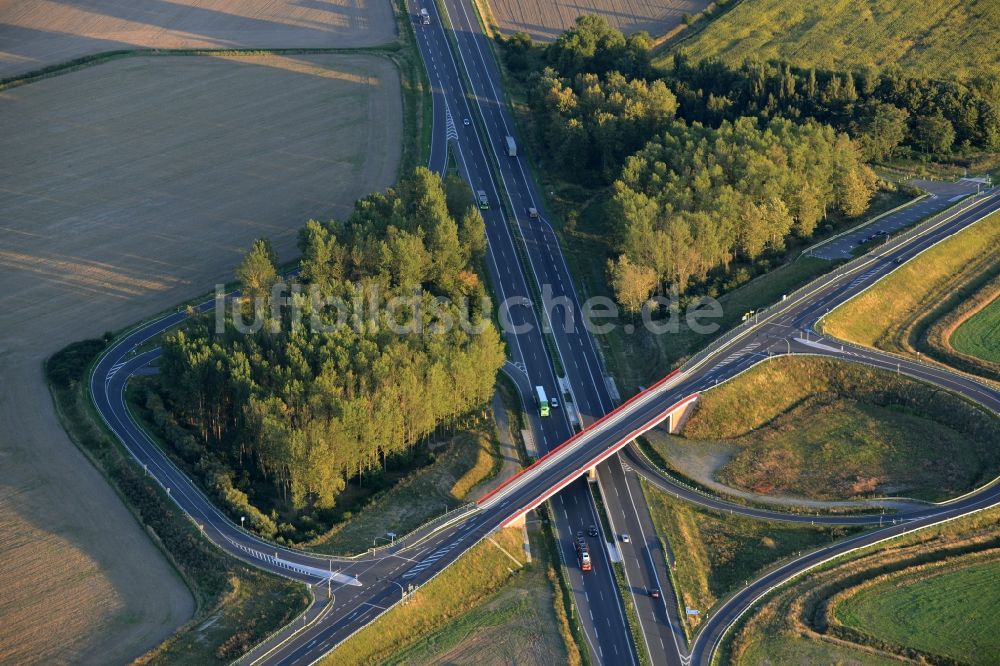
(127, 187)
(545, 19)
(36, 33)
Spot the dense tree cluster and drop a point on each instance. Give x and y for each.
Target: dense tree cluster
(592, 123)
(696, 197)
(883, 110)
(594, 47)
(711, 164)
(369, 358)
(596, 98)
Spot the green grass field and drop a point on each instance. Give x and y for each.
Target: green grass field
(952, 614)
(717, 553)
(789, 626)
(836, 431)
(979, 336)
(946, 39)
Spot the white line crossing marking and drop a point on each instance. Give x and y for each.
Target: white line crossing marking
(431, 559)
(742, 352)
(449, 122)
(114, 370)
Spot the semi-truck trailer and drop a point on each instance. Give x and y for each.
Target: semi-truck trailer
(511, 147)
(543, 401)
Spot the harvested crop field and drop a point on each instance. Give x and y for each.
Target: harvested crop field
(545, 19)
(38, 33)
(128, 187)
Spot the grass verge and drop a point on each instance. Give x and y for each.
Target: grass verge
(898, 313)
(237, 605)
(835, 430)
(483, 609)
(717, 553)
(417, 103)
(638, 638)
(568, 618)
(465, 462)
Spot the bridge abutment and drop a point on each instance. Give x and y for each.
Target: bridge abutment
(677, 418)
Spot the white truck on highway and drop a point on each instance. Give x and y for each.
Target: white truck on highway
(511, 147)
(425, 17)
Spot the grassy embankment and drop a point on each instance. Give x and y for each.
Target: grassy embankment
(489, 607)
(417, 105)
(237, 605)
(946, 40)
(838, 431)
(717, 553)
(916, 309)
(800, 623)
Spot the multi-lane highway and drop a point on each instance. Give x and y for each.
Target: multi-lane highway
(544, 264)
(476, 127)
(466, 85)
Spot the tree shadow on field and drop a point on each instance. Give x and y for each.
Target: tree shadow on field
(32, 40)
